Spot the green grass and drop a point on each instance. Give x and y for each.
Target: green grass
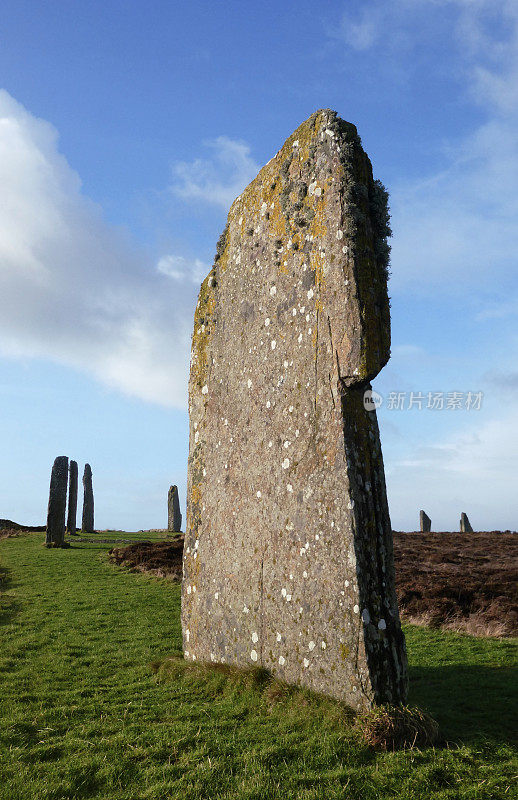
(83, 716)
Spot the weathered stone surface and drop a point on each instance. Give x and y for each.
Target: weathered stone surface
(174, 517)
(465, 525)
(72, 498)
(57, 503)
(88, 501)
(288, 558)
(425, 523)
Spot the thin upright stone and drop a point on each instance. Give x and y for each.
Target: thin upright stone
(57, 503)
(88, 501)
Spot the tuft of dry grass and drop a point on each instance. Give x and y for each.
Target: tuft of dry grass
(475, 624)
(397, 727)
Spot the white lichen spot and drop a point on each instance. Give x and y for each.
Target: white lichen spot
(299, 338)
(216, 595)
(304, 574)
(268, 404)
(267, 321)
(311, 646)
(294, 312)
(305, 662)
(323, 645)
(258, 494)
(346, 584)
(310, 294)
(289, 487)
(273, 344)
(285, 364)
(282, 661)
(273, 290)
(197, 437)
(255, 637)
(339, 234)
(290, 409)
(246, 610)
(287, 444)
(189, 589)
(288, 598)
(278, 636)
(187, 635)
(356, 609)
(286, 463)
(270, 444)
(382, 625)
(205, 389)
(253, 655)
(283, 592)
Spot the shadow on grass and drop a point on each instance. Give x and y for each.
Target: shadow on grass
(469, 702)
(9, 607)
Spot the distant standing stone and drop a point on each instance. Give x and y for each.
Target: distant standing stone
(57, 503)
(465, 525)
(88, 501)
(72, 498)
(174, 517)
(288, 560)
(425, 522)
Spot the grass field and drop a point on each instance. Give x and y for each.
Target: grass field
(82, 715)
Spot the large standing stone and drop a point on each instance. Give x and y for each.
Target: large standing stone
(174, 517)
(425, 522)
(465, 524)
(288, 559)
(57, 503)
(88, 501)
(72, 498)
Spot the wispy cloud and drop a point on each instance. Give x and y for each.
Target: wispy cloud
(467, 471)
(76, 290)
(219, 178)
(457, 227)
(183, 269)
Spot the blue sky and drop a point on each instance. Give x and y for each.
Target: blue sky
(127, 129)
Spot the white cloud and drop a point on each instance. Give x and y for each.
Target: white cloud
(74, 289)
(456, 231)
(183, 269)
(472, 471)
(217, 180)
